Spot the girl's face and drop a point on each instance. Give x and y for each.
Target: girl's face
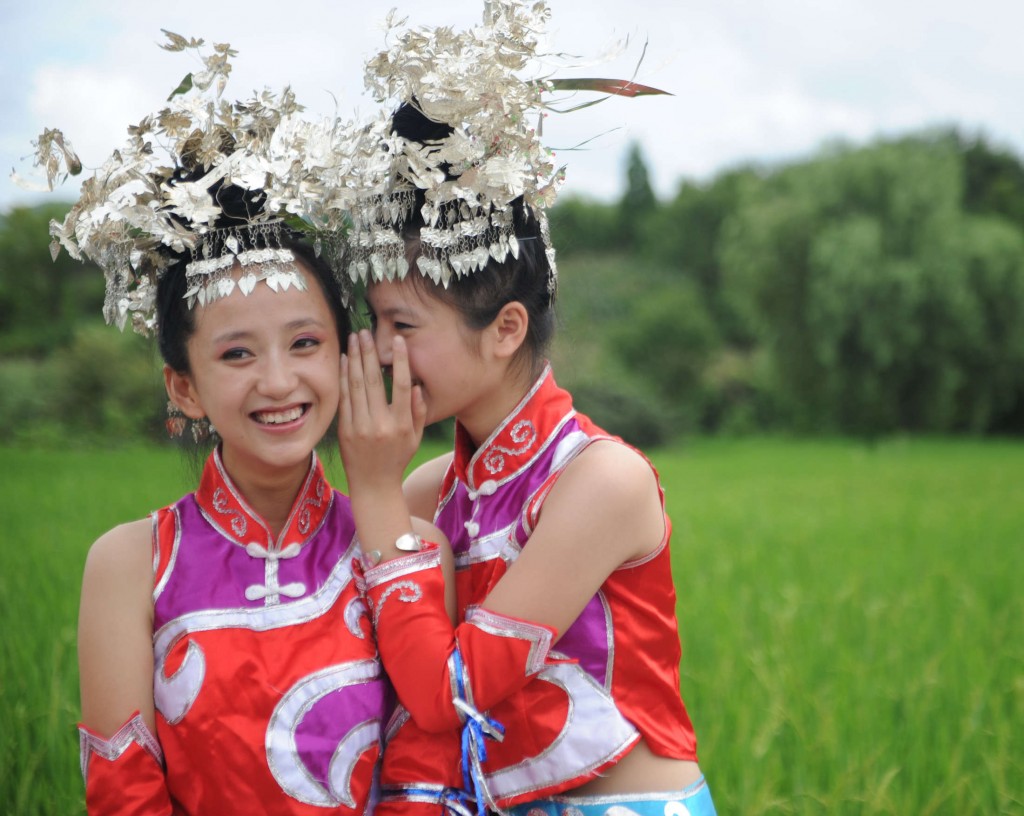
(265, 370)
(444, 357)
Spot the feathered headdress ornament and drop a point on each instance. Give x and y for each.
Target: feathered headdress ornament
(485, 86)
(190, 183)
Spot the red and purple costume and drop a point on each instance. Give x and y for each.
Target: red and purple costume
(269, 694)
(568, 711)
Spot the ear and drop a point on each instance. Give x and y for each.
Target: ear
(508, 330)
(182, 392)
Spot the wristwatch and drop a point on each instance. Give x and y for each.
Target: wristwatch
(409, 542)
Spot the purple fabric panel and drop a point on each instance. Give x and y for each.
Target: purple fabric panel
(212, 572)
(331, 719)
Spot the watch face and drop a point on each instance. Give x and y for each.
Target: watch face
(410, 542)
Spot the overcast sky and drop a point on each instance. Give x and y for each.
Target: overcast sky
(751, 81)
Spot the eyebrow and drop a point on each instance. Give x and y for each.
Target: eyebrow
(394, 311)
(293, 325)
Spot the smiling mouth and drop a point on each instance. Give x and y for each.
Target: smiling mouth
(280, 417)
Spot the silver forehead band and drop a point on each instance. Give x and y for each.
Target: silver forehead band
(460, 243)
(461, 240)
(210, 273)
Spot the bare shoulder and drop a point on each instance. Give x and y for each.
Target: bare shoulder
(125, 552)
(614, 486)
(618, 471)
(421, 487)
(115, 629)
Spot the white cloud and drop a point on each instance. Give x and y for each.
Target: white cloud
(751, 81)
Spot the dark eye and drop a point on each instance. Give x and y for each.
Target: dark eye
(306, 342)
(403, 326)
(235, 354)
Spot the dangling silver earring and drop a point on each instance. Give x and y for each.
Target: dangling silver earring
(175, 422)
(202, 429)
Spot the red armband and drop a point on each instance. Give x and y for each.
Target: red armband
(421, 773)
(124, 774)
(417, 643)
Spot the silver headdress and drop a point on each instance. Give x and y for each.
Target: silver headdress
(188, 184)
(486, 87)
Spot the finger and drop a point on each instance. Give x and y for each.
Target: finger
(419, 410)
(356, 383)
(344, 398)
(401, 379)
(376, 396)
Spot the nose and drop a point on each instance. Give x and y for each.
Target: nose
(277, 377)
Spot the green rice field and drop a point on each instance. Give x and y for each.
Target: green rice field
(852, 618)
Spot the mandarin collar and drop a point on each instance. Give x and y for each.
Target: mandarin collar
(224, 506)
(517, 440)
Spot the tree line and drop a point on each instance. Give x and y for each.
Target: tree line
(866, 290)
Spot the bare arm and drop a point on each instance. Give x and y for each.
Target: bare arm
(115, 629)
(604, 511)
(422, 486)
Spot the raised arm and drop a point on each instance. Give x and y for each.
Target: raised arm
(603, 511)
(121, 757)
(423, 486)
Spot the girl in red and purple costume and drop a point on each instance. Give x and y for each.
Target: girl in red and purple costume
(226, 655)
(559, 686)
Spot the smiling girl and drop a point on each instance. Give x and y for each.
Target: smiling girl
(226, 658)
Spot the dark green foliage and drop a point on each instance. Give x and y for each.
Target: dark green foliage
(993, 180)
(579, 225)
(110, 385)
(684, 236)
(103, 387)
(666, 340)
(638, 202)
(867, 290)
(885, 306)
(40, 299)
(624, 409)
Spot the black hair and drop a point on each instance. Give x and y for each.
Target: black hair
(176, 322)
(480, 296)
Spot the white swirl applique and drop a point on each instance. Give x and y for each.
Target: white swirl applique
(282, 738)
(408, 592)
(594, 733)
(355, 611)
(174, 695)
(271, 590)
(523, 434)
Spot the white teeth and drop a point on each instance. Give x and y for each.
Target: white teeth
(278, 417)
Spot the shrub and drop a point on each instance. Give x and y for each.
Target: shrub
(27, 389)
(626, 410)
(109, 385)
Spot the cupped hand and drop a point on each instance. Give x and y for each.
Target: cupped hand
(377, 439)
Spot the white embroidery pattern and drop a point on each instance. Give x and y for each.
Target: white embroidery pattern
(523, 434)
(315, 500)
(408, 592)
(220, 503)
